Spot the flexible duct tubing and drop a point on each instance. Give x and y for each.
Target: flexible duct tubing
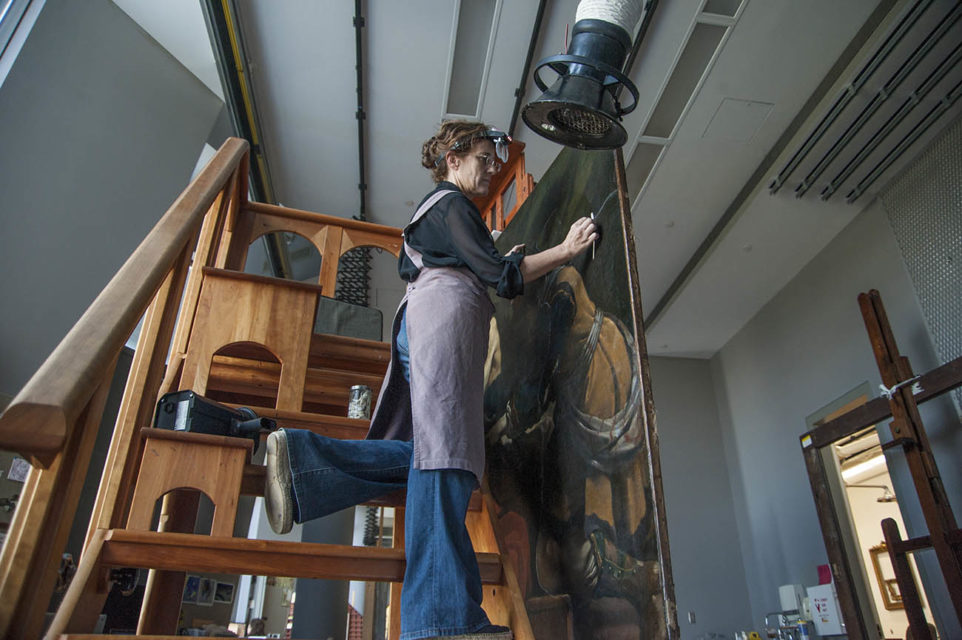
(624, 13)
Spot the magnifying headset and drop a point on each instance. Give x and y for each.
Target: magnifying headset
(500, 139)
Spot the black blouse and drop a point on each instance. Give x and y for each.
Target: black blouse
(452, 234)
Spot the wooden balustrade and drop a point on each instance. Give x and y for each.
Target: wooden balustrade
(53, 421)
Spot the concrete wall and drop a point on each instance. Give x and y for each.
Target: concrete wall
(101, 128)
(706, 556)
(804, 349)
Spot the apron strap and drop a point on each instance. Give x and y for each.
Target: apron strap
(411, 252)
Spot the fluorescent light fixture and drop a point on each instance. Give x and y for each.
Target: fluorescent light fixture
(863, 467)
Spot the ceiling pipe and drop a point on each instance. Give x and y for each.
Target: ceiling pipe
(532, 44)
(913, 100)
(225, 38)
(943, 105)
(581, 109)
(360, 114)
(227, 45)
(849, 92)
(883, 94)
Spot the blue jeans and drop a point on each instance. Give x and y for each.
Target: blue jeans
(442, 585)
(403, 351)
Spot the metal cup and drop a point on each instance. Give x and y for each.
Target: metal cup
(359, 405)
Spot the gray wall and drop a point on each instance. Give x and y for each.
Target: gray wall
(804, 349)
(706, 555)
(101, 128)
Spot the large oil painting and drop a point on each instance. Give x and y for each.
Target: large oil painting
(570, 465)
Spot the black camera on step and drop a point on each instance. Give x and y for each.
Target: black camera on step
(187, 411)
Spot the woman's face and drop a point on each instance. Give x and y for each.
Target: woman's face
(472, 171)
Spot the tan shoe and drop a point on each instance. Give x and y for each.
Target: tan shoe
(277, 485)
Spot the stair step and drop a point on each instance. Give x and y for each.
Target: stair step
(242, 556)
(332, 426)
(330, 351)
(342, 352)
(258, 379)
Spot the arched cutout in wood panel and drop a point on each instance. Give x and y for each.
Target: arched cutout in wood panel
(244, 373)
(300, 257)
(205, 509)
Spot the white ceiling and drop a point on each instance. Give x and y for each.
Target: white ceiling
(746, 117)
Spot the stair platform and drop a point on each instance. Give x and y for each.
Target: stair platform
(242, 556)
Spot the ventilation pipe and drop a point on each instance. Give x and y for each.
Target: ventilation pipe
(581, 109)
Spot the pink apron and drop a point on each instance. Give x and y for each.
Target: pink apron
(448, 315)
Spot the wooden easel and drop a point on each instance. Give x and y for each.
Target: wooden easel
(908, 434)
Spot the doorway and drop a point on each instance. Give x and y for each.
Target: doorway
(869, 500)
(862, 490)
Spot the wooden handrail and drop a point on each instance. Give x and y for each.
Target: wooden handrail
(310, 216)
(36, 422)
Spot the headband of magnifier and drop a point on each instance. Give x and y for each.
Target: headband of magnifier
(500, 139)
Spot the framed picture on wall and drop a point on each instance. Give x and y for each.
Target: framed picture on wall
(224, 593)
(205, 591)
(191, 587)
(885, 575)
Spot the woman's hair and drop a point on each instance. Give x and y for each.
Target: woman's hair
(453, 132)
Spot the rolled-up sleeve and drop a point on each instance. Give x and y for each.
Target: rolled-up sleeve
(473, 243)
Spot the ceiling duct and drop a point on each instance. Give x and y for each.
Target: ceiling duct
(581, 109)
(909, 81)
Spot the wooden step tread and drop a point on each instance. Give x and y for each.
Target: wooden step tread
(242, 556)
(339, 427)
(322, 386)
(328, 350)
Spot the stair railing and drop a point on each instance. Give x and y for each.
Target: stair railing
(54, 420)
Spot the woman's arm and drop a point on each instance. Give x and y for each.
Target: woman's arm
(580, 236)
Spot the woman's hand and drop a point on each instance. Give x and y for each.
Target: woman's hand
(582, 233)
(518, 248)
(580, 236)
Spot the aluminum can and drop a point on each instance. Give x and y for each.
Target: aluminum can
(359, 405)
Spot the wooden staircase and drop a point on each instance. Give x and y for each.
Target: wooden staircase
(237, 338)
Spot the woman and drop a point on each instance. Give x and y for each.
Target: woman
(427, 431)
